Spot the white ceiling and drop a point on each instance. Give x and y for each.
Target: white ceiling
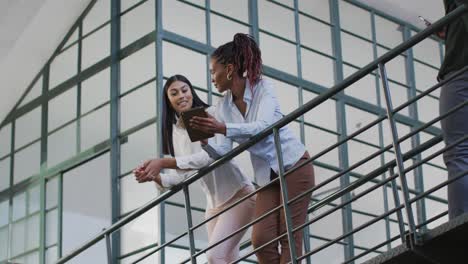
(31, 30)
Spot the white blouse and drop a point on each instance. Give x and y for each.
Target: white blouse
(263, 110)
(219, 185)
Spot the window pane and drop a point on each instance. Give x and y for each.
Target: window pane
(5, 140)
(51, 227)
(320, 31)
(428, 109)
(372, 202)
(141, 146)
(236, 9)
(33, 230)
(364, 89)
(18, 244)
(399, 96)
(428, 51)
(138, 22)
(95, 47)
(322, 227)
(27, 162)
(317, 140)
(64, 66)
(95, 91)
(95, 127)
(331, 254)
(355, 19)
(62, 109)
(356, 119)
(356, 51)
(223, 30)
(323, 115)
(28, 128)
(51, 255)
(276, 19)
(179, 60)
(92, 212)
(61, 145)
(4, 213)
(283, 61)
(138, 68)
(396, 68)
(19, 206)
(4, 174)
(52, 192)
(426, 77)
(316, 8)
(99, 14)
(141, 232)
(287, 95)
(138, 106)
(175, 16)
(4, 241)
(371, 235)
(317, 68)
(129, 187)
(34, 199)
(388, 33)
(361, 151)
(35, 92)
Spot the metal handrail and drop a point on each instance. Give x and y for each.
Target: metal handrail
(282, 122)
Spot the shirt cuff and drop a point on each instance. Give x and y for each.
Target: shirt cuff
(233, 129)
(165, 180)
(183, 162)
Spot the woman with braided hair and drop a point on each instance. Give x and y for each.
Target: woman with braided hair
(249, 106)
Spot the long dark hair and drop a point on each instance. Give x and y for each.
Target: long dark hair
(244, 53)
(169, 115)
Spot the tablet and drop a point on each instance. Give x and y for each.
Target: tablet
(195, 134)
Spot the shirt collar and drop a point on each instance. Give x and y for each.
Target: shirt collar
(247, 94)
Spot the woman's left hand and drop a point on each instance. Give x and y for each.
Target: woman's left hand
(208, 124)
(149, 170)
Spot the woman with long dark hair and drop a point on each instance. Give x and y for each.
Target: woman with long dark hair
(223, 186)
(248, 107)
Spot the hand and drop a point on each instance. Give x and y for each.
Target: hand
(149, 171)
(208, 124)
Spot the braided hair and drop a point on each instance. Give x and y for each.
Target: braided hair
(244, 53)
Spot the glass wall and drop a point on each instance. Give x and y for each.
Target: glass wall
(91, 116)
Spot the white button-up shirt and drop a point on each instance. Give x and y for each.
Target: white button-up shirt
(219, 185)
(262, 110)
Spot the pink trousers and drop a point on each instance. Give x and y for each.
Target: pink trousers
(227, 223)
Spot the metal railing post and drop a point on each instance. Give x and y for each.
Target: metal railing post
(108, 248)
(284, 196)
(396, 198)
(188, 212)
(398, 157)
